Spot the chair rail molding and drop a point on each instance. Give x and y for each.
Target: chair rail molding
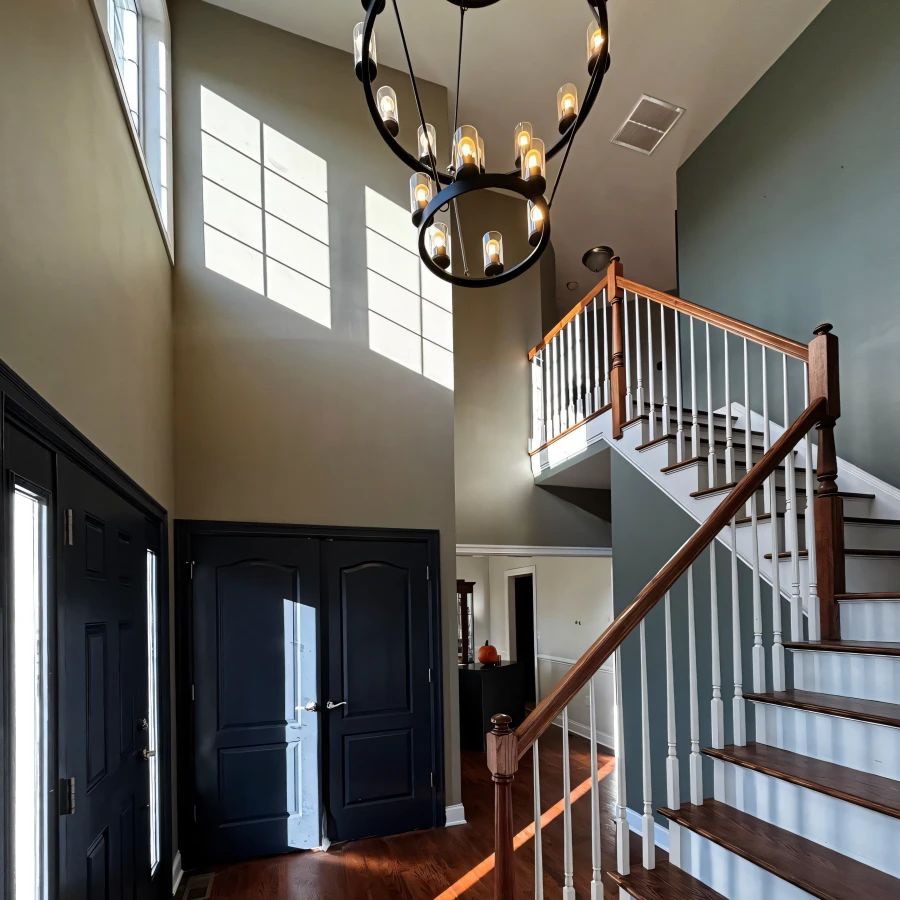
(526, 551)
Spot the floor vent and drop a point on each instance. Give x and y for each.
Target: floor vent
(198, 887)
(650, 121)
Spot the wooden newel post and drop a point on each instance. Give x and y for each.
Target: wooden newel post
(824, 381)
(503, 761)
(616, 295)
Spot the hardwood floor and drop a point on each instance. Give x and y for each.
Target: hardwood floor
(446, 863)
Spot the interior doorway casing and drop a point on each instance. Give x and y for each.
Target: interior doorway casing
(510, 576)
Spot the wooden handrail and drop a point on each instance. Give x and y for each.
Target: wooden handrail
(604, 647)
(701, 313)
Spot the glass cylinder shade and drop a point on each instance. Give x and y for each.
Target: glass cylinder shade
(421, 193)
(427, 144)
(595, 41)
(465, 152)
(566, 106)
(492, 243)
(534, 162)
(358, 54)
(481, 163)
(386, 101)
(535, 224)
(439, 245)
(523, 137)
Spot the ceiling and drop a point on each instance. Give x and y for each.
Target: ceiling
(703, 55)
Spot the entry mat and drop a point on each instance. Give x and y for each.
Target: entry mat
(199, 887)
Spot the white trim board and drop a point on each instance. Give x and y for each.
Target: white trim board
(177, 872)
(605, 740)
(661, 833)
(521, 550)
(455, 815)
(563, 660)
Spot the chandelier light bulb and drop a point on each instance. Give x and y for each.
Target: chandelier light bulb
(533, 164)
(358, 54)
(465, 152)
(535, 224)
(427, 143)
(567, 107)
(595, 41)
(439, 245)
(481, 163)
(386, 100)
(421, 193)
(492, 244)
(523, 136)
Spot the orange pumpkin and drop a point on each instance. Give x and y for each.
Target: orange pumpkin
(487, 655)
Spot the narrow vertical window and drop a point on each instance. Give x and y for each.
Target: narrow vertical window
(29, 677)
(153, 709)
(123, 32)
(163, 134)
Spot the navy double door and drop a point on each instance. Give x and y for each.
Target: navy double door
(312, 692)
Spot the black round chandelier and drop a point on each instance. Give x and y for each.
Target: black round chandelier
(432, 190)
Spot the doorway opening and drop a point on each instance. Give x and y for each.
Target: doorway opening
(523, 630)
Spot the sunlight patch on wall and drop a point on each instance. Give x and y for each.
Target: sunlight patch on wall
(265, 209)
(410, 310)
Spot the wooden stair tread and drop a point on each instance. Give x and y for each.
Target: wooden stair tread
(850, 551)
(874, 711)
(765, 517)
(860, 788)
(863, 520)
(665, 882)
(719, 462)
(872, 595)
(801, 862)
(875, 648)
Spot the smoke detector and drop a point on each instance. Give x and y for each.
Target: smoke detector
(649, 122)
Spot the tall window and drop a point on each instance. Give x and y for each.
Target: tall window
(29, 695)
(122, 23)
(163, 134)
(153, 708)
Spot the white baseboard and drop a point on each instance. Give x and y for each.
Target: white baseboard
(456, 815)
(661, 834)
(177, 872)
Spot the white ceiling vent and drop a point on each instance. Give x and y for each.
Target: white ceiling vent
(650, 121)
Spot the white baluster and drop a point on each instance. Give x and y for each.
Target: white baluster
(729, 436)
(640, 365)
(814, 624)
(579, 403)
(739, 712)
(759, 652)
(548, 394)
(536, 401)
(629, 405)
(778, 671)
(696, 763)
(623, 847)
(597, 874)
(557, 384)
(588, 405)
(767, 438)
(568, 863)
(598, 396)
(538, 840)
(648, 841)
(570, 378)
(710, 427)
(695, 427)
(651, 375)
(673, 785)
(606, 398)
(717, 706)
(665, 370)
(679, 401)
(748, 436)
(790, 519)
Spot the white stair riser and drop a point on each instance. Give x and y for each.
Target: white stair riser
(872, 537)
(872, 620)
(845, 742)
(864, 574)
(729, 874)
(867, 836)
(860, 675)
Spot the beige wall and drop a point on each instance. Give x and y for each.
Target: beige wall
(278, 418)
(497, 501)
(85, 282)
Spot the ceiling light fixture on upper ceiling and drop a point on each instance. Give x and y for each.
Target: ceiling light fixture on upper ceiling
(432, 191)
(597, 259)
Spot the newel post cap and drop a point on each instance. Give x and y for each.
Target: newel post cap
(824, 329)
(502, 747)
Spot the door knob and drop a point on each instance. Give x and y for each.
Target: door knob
(145, 725)
(149, 753)
(312, 706)
(330, 705)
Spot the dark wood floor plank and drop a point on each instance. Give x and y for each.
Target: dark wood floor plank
(805, 864)
(833, 705)
(665, 882)
(871, 791)
(875, 648)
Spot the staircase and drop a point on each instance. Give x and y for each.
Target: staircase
(806, 799)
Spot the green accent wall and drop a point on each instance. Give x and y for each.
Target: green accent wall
(789, 212)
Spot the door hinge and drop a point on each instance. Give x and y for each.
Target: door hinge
(192, 693)
(195, 813)
(429, 676)
(432, 779)
(70, 528)
(191, 564)
(67, 797)
(428, 573)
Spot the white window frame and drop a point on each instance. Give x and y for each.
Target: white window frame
(153, 29)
